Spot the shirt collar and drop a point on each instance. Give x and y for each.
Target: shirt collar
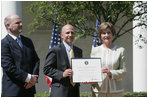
(67, 46)
(14, 37)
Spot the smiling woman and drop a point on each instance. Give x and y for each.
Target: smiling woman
(113, 64)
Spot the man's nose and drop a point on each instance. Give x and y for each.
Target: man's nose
(71, 33)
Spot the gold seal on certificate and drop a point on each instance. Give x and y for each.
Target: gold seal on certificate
(86, 69)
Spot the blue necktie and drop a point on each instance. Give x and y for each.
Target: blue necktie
(19, 42)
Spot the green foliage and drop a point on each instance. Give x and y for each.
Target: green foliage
(135, 94)
(81, 13)
(85, 94)
(89, 94)
(45, 94)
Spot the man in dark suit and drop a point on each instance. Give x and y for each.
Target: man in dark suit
(57, 65)
(19, 61)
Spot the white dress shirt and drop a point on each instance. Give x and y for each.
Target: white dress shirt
(68, 47)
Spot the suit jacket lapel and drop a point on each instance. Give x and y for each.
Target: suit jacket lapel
(75, 52)
(13, 42)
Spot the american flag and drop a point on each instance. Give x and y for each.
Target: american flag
(55, 40)
(96, 40)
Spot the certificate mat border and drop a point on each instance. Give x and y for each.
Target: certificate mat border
(89, 58)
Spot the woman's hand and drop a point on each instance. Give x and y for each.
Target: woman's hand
(106, 70)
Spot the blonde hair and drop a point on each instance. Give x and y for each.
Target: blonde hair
(104, 26)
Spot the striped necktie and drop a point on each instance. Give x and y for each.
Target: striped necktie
(70, 57)
(19, 42)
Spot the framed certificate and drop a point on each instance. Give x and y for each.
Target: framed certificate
(86, 69)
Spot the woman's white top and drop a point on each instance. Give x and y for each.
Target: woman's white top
(114, 59)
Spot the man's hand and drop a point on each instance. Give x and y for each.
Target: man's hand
(34, 79)
(67, 72)
(32, 82)
(27, 85)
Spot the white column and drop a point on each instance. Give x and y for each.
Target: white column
(9, 7)
(139, 58)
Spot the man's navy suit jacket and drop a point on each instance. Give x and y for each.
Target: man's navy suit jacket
(17, 62)
(56, 63)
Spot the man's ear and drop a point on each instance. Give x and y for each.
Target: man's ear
(8, 25)
(61, 35)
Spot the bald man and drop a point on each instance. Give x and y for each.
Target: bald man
(57, 65)
(19, 61)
